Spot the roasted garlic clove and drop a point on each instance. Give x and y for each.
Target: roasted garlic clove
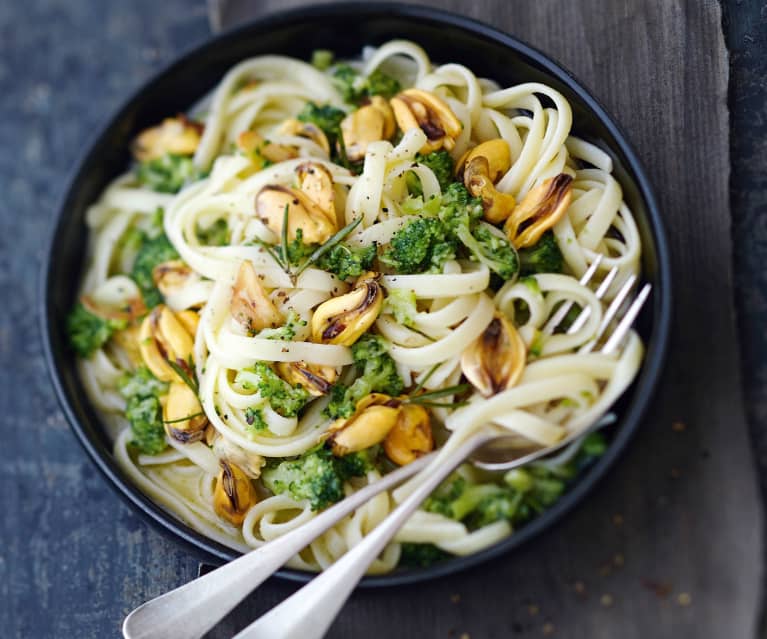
(178, 135)
(369, 123)
(540, 209)
(343, 319)
(496, 359)
(233, 494)
(375, 415)
(254, 146)
(305, 130)
(316, 182)
(417, 108)
(497, 206)
(314, 378)
(410, 437)
(250, 463)
(184, 418)
(162, 339)
(302, 213)
(250, 305)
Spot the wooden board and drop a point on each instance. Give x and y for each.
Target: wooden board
(680, 515)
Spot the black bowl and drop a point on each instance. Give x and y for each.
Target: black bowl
(345, 28)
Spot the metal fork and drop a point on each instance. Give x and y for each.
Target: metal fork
(191, 610)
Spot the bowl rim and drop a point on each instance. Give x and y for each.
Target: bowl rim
(643, 387)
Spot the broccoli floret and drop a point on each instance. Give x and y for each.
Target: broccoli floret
(523, 494)
(143, 410)
(542, 257)
(348, 262)
(495, 507)
(357, 464)
(452, 219)
(440, 162)
(153, 251)
(421, 555)
(457, 498)
(287, 331)
(141, 383)
(89, 332)
(461, 214)
(322, 59)
(312, 476)
(356, 88)
(317, 476)
(255, 419)
(326, 117)
(401, 303)
(377, 374)
(285, 399)
(421, 246)
(169, 173)
(217, 234)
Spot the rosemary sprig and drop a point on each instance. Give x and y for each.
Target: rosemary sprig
(337, 238)
(182, 419)
(185, 377)
(431, 372)
(284, 239)
(427, 398)
(283, 261)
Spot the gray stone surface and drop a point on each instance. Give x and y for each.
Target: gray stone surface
(74, 559)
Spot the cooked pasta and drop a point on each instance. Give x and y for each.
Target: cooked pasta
(327, 270)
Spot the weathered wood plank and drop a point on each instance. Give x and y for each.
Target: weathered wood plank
(73, 560)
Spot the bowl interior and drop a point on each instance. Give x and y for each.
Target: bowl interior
(297, 33)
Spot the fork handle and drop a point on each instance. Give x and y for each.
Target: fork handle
(308, 613)
(189, 611)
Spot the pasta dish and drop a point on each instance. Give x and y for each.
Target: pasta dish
(327, 269)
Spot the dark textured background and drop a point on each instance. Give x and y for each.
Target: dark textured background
(74, 560)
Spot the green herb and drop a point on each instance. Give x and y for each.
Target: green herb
(169, 173)
(543, 257)
(536, 346)
(532, 284)
(423, 245)
(185, 371)
(401, 303)
(317, 476)
(377, 373)
(347, 262)
(153, 251)
(356, 88)
(89, 332)
(442, 165)
(217, 234)
(322, 59)
(421, 555)
(255, 419)
(285, 399)
(287, 331)
(297, 250)
(328, 118)
(143, 410)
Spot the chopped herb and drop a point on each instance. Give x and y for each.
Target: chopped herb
(89, 332)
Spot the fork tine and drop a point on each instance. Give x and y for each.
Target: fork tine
(600, 293)
(562, 311)
(610, 313)
(626, 321)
